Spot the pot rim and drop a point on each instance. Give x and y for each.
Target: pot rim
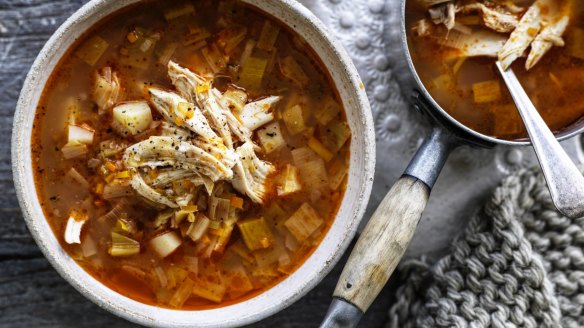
(309, 274)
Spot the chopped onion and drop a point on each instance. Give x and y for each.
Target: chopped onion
(182, 293)
(199, 227)
(162, 278)
(73, 229)
(77, 134)
(76, 176)
(88, 247)
(166, 243)
(74, 150)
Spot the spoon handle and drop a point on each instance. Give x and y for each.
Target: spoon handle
(565, 182)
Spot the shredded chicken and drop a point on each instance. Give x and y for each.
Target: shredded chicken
(251, 173)
(160, 151)
(545, 18)
(106, 89)
(257, 113)
(185, 82)
(502, 22)
(167, 103)
(144, 190)
(444, 13)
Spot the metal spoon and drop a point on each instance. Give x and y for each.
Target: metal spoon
(565, 182)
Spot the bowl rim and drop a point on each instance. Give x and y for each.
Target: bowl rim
(141, 313)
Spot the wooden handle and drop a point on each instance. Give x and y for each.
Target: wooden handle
(383, 243)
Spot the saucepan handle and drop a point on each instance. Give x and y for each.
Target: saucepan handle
(388, 233)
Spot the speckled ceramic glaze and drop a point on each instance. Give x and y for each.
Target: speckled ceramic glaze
(285, 293)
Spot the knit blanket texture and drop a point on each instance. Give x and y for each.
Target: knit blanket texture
(518, 263)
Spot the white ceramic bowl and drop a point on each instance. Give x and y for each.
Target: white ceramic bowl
(351, 90)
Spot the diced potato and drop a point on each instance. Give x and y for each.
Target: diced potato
(78, 134)
(92, 50)
(165, 244)
(292, 70)
(289, 182)
(256, 233)
(178, 11)
(303, 222)
(320, 149)
(268, 36)
(486, 92)
(271, 138)
(132, 118)
(575, 43)
(294, 119)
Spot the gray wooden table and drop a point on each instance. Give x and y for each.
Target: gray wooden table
(32, 294)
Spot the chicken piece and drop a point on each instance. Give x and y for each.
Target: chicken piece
(144, 190)
(430, 3)
(214, 112)
(544, 17)
(550, 36)
(250, 173)
(159, 151)
(257, 113)
(444, 13)
(106, 89)
(167, 104)
(169, 175)
(495, 20)
(423, 28)
(171, 130)
(186, 82)
(236, 127)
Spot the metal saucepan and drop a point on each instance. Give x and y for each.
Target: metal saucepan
(389, 231)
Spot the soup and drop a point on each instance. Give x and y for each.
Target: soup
(190, 155)
(455, 44)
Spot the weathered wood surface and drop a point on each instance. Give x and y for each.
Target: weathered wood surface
(32, 294)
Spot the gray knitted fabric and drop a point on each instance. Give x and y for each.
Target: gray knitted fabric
(519, 263)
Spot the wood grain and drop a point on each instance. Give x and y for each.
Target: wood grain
(383, 243)
(32, 294)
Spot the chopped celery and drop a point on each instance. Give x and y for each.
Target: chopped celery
(74, 150)
(320, 149)
(246, 53)
(234, 99)
(241, 250)
(291, 69)
(123, 246)
(78, 134)
(237, 281)
(161, 275)
(209, 290)
(178, 11)
(487, 92)
(175, 276)
(78, 177)
(165, 244)
(268, 36)
(214, 57)
(197, 35)
(268, 257)
(198, 228)
(294, 119)
(110, 148)
(73, 228)
(303, 155)
(231, 37)
(116, 189)
(219, 208)
(458, 64)
(256, 233)
(335, 135)
(131, 118)
(183, 292)
(252, 72)
(162, 218)
(303, 222)
(329, 109)
(289, 182)
(167, 53)
(192, 264)
(337, 172)
(271, 138)
(92, 50)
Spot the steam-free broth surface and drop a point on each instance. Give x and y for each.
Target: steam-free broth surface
(190, 154)
(470, 88)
